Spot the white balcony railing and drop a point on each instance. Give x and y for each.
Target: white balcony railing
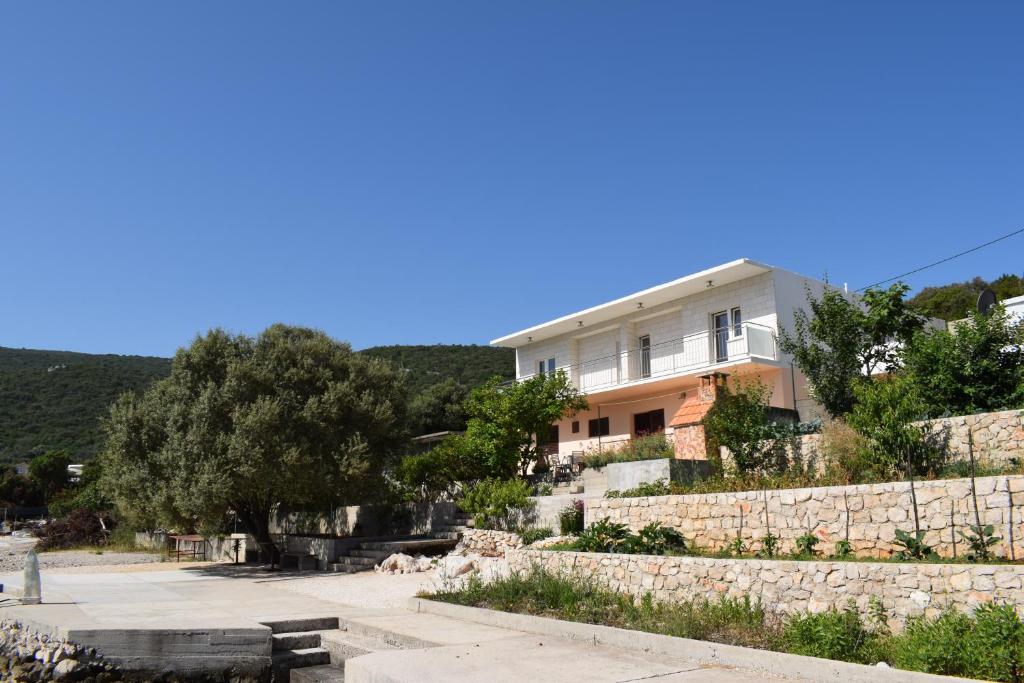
(686, 355)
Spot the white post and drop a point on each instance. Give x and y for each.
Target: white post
(32, 594)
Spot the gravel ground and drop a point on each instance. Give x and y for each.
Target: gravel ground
(365, 589)
(13, 551)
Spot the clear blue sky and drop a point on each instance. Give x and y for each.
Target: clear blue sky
(430, 172)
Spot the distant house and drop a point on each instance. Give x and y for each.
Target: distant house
(652, 362)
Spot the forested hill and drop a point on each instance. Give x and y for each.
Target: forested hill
(959, 299)
(467, 364)
(54, 399)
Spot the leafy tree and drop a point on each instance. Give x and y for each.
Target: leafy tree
(17, 490)
(883, 414)
(50, 471)
(508, 422)
(290, 419)
(436, 474)
(978, 367)
(843, 341)
(439, 408)
(739, 421)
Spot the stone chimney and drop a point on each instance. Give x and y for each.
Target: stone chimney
(688, 431)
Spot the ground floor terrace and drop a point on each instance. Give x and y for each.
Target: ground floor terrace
(672, 406)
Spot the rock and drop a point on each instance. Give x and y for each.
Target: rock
(400, 563)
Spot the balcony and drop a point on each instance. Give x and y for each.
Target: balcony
(692, 354)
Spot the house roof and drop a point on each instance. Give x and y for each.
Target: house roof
(733, 271)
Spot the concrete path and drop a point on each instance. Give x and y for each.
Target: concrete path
(415, 647)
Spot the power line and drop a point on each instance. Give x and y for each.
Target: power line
(948, 258)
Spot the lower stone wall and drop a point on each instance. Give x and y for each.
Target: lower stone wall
(789, 587)
(870, 514)
(488, 543)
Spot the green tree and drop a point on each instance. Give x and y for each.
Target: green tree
(978, 367)
(290, 419)
(50, 471)
(439, 408)
(508, 423)
(843, 341)
(739, 421)
(883, 414)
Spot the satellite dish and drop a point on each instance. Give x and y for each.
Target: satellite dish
(986, 300)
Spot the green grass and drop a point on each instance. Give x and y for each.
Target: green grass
(987, 645)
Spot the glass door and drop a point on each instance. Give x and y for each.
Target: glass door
(720, 324)
(645, 355)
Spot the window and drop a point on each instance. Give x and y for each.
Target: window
(598, 427)
(651, 422)
(737, 323)
(546, 367)
(575, 426)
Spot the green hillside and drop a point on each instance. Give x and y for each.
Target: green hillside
(959, 299)
(54, 399)
(467, 364)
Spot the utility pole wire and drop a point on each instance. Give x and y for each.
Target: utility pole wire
(948, 258)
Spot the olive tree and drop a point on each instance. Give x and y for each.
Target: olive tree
(290, 419)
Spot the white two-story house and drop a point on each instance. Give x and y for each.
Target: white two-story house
(651, 362)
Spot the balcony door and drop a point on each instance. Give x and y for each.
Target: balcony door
(645, 355)
(720, 325)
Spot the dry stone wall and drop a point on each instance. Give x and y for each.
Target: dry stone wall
(868, 515)
(488, 543)
(998, 438)
(790, 587)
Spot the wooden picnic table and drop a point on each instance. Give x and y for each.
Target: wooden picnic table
(189, 545)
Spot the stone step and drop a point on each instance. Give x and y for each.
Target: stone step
(384, 636)
(409, 547)
(450, 535)
(301, 624)
(285, 660)
(349, 568)
(360, 561)
(345, 645)
(325, 673)
(299, 640)
(361, 552)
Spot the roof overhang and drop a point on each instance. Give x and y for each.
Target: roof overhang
(733, 271)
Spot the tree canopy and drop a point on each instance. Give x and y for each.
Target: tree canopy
(843, 340)
(958, 300)
(289, 419)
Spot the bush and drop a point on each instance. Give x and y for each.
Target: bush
(81, 527)
(844, 454)
(650, 447)
(661, 487)
(497, 504)
(605, 536)
(832, 634)
(534, 534)
(883, 414)
(570, 519)
(739, 421)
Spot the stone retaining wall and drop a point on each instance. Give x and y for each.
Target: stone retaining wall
(998, 438)
(790, 587)
(872, 511)
(488, 542)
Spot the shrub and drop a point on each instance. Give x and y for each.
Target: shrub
(805, 544)
(980, 541)
(845, 454)
(81, 527)
(497, 504)
(534, 534)
(570, 519)
(655, 539)
(650, 447)
(739, 421)
(603, 536)
(769, 546)
(544, 489)
(843, 549)
(661, 487)
(913, 546)
(883, 414)
(832, 634)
